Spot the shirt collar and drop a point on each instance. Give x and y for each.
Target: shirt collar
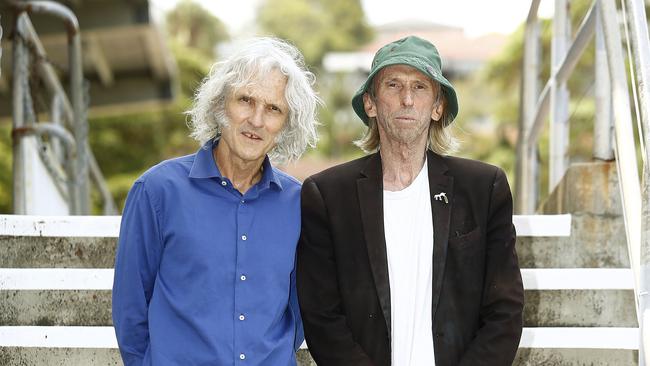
(204, 166)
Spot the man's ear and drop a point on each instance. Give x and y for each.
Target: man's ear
(436, 113)
(369, 105)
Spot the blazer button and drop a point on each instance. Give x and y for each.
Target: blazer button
(372, 316)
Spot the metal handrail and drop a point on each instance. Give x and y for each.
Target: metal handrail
(600, 20)
(74, 113)
(641, 54)
(568, 64)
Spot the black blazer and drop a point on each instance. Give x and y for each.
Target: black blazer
(342, 270)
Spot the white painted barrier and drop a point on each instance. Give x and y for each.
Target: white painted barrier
(102, 279)
(109, 226)
(104, 337)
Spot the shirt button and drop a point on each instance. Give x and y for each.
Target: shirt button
(243, 277)
(242, 317)
(223, 183)
(243, 201)
(242, 356)
(244, 237)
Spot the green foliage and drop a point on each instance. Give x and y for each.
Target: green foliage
(127, 145)
(194, 27)
(5, 169)
(316, 26)
(193, 66)
(339, 125)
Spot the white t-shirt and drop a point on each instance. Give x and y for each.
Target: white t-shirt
(408, 227)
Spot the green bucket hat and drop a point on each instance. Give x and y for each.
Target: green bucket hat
(415, 52)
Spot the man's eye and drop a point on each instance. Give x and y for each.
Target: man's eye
(420, 87)
(245, 99)
(274, 108)
(392, 85)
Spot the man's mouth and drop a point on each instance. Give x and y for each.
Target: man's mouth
(251, 135)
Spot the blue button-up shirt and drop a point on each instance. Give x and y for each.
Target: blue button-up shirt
(203, 274)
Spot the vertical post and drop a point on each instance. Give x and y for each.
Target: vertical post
(20, 76)
(603, 127)
(641, 54)
(56, 113)
(82, 202)
(559, 122)
(526, 169)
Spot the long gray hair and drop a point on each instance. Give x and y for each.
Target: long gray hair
(440, 139)
(251, 61)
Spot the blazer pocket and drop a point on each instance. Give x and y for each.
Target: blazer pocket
(469, 239)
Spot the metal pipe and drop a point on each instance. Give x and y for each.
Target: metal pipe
(583, 36)
(80, 125)
(52, 8)
(641, 54)
(57, 118)
(526, 183)
(532, 12)
(80, 201)
(52, 83)
(20, 76)
(110, 208)
(626, 155)
(46, 71)
(559, 122)
(541, 112)
(63, 136)
(44, 128)
(603, 128)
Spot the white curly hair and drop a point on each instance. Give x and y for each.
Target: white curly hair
(253, 59)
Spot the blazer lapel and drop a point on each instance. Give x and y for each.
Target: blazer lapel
(371, 201)
(440, 187)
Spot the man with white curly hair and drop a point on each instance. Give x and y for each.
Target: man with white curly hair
(204, 271)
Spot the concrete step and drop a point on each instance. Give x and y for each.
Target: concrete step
(56, 275)
(82, 297)
(57, 252)
(580, 308)
(55, 308)
(557, 346)
(47, 356)
(575, 357)
(75, 296)
(596, 241)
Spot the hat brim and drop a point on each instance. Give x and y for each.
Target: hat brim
(451, 109)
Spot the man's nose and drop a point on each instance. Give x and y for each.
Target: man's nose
(256, 119)
(407, 97)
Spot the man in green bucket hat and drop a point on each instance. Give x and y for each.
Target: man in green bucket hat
(407, 256)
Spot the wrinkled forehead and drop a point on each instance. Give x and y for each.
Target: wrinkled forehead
(269, 86)
(402, 72)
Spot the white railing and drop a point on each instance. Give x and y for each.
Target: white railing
(102, 279)
(51, 176)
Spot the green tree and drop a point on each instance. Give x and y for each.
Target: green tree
(193, 26)
(316, 26)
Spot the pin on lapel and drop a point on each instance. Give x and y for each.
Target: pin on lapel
(441, 196)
